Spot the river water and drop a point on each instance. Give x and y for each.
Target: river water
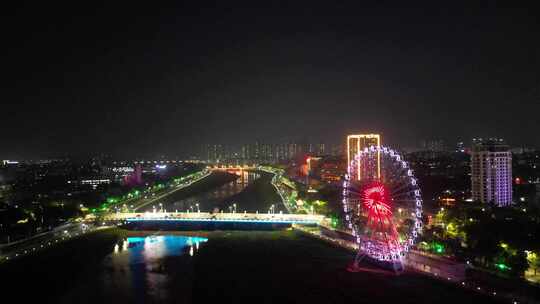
(211, 199)
(151, 269)
(245, 267)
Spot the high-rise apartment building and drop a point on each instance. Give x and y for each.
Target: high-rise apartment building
(491, 172)
(320, 149)
(434, 145)
(292, 150)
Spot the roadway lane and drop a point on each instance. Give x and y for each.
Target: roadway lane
(44, 240)
(148, 201)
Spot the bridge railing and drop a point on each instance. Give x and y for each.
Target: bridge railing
(216, 216)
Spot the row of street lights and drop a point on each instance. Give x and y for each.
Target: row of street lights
(65, 235)
(232, 208)
(162, 210)
(197, 206)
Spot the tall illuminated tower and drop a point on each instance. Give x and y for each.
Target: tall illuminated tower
(358, 142)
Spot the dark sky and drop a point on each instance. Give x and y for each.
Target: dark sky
(135, 80)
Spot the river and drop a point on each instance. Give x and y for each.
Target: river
(219, 189)
(151, 269)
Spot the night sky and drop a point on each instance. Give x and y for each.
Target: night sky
(135, 80)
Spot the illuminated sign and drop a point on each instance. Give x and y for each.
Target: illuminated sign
(359, 142)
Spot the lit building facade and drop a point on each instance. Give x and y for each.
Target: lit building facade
(491, 172)
(356, 143)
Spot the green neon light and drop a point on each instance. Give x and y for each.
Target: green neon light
(502, 266)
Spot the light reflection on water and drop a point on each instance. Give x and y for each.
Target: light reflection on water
(147, 249)
(153, 269)
(145, 263)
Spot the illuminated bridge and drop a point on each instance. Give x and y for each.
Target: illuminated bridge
(232, 168)
(209, 221)
(216, 217)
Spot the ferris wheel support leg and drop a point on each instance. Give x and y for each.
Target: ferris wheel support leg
(354, 266)
(359, 257)
(398, 267)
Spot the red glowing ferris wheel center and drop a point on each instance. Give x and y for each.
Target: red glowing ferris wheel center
(376, 200)
(376, 203)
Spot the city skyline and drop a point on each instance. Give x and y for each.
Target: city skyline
(335, 148)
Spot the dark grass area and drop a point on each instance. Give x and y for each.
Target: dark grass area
(258, 196)
(45, 275)
(287, 267)
(518, 287)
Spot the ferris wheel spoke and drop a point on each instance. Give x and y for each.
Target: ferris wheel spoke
(404, 194)
(400, 189)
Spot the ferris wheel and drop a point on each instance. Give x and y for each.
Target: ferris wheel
(382, 205)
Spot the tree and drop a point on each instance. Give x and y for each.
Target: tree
(533, 260)
(518, 263)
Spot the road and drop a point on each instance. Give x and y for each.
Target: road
(147, 201)
(44, 240)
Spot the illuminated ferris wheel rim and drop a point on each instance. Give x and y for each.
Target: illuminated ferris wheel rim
(369, 246)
